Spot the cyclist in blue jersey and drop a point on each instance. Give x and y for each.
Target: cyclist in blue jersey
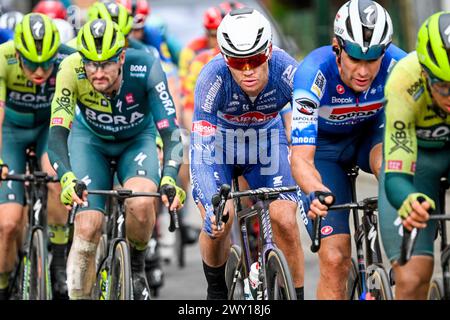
(239, 96)
(6, 35)
(337, 123)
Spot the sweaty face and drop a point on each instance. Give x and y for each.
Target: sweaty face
(104, 78)
(358, 74)
(252, 81)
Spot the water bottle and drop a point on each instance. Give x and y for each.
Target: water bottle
(247, 292)
(253, 279)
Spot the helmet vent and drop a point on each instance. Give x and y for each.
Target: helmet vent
(24, 44)
(431, 54)
(38, 44)
(348, 24)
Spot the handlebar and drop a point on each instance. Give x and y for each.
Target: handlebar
(37, 176)
(219, 199)
(123, 194)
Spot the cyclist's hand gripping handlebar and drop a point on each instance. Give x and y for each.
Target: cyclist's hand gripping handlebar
(219, 200)
(316, 238)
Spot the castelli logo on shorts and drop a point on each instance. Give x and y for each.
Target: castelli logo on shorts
(250, 117)
(326, 230)
(203, 128)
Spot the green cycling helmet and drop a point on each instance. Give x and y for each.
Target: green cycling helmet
(112, 11)
(100, 40)
(433, 45)
(36, 37)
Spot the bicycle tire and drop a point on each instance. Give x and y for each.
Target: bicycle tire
(36, 277)
(378, 284)
(236, 293)
(278, 278)
(436, 291)
(353, 286)
(121, 285)
(102, 251)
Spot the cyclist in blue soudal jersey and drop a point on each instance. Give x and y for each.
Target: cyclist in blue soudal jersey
(238, 97)
(338, 122)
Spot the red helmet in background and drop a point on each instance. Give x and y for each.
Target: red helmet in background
(51, 8)
(212, 18)
(228, 6)
(139, 10)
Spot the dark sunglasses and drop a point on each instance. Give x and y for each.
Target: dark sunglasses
(33, 66)
(248, 63)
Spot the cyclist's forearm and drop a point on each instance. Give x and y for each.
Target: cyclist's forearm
(304, 171)
(173, 151)
(398, 186)
(58, 152)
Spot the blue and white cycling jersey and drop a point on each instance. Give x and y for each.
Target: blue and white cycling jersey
(323, 104)
(6, 35)
(231, 129)
(344, 125)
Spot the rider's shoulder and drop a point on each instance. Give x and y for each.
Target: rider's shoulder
(319, 58)
(395, 53)
(7, 48)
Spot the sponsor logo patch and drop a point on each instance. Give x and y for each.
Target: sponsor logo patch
(250, 117)
(395, 164)
(326, 230)
(162, 124)
(203, 128)
(319, 84)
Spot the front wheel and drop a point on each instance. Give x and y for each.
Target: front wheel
(353, 285)
(279, 284)
(121, 288)
(233, 276)
(378, 284)
(36, 276)
(436, 291)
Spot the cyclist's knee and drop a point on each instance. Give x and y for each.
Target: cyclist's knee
(284, 218)
(411, 280)
(54, 189)
(88, 225)
(334, 260)
(10, 224)
(142, 209)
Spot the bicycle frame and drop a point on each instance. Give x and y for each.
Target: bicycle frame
(265, 241)
(36, 195)
(366, 230)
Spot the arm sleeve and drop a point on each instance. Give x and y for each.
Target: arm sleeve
(309, 85)
(208, 95)
(2, 79)
(163, 109)
(400, 141)
(63, 106)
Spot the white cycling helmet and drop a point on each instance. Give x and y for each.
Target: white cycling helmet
(243, 33)
(363, 28)
(9, 20)
(66, 31)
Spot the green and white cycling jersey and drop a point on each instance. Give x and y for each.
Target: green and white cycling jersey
(143, 102)
(27, 104)
(27, 109)
(416, 153)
